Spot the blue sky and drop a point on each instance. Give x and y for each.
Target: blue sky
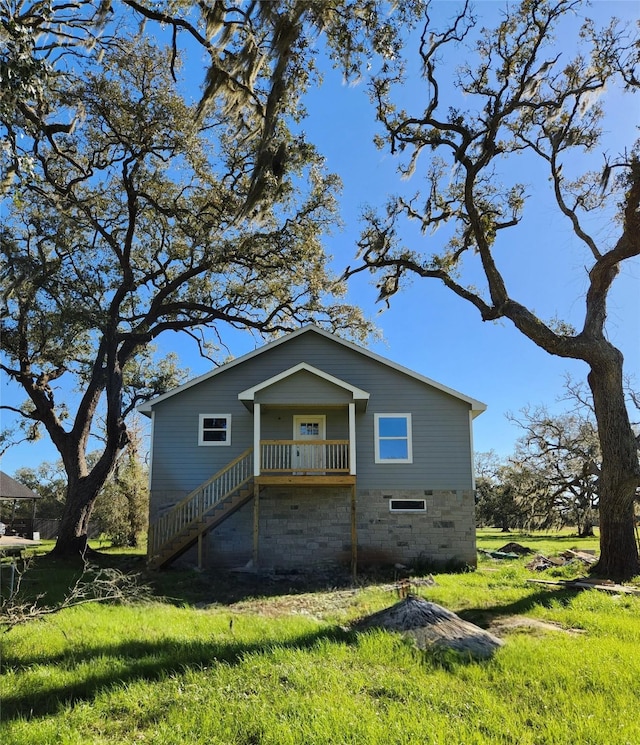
(432, 331)
(427, 328)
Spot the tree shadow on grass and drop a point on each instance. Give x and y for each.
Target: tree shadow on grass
(189, 587)
(50, 578)
(156, 660)
(145, 661)
(483, 617)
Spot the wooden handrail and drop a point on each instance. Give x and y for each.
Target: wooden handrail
(304, 442)
(308, 456)
(201, 500)
(216, 476)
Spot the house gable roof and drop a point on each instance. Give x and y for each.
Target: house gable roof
(477, 407)
(360, 397)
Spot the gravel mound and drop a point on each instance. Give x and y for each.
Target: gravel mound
(432, 626)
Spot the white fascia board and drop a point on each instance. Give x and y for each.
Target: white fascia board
(477, 407)
(147, 406)
(357, 393)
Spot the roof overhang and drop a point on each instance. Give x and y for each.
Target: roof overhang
(477, 407)
(12, 490)
(360, 397)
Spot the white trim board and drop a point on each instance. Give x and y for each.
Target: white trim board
(477, 407)
(250, 394)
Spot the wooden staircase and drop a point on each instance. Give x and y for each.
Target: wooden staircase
(200, 511)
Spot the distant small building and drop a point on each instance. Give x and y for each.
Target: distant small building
(312, 451)
(13, 493)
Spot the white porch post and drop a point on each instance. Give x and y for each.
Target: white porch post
(352, 439)
(256, 439)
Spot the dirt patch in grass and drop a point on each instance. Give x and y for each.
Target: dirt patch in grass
(314, 604)
(243, 590)
(515, 548)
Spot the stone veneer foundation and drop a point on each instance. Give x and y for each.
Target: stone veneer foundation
(303, 528)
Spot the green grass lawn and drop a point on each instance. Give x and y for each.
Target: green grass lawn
(551, 542)
(210, 660)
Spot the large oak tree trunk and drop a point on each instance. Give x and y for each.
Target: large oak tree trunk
(74, 527)
(83, 483)
(620, 472)
(82, 491)
(585, 525)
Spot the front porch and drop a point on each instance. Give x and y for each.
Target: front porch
(320, 412)
(313, 404)
(304, 463)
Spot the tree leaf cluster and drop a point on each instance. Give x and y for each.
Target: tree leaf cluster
(137, 208)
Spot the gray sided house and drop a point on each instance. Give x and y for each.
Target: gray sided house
(308, 452)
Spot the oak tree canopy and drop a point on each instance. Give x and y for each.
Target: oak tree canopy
(133, 208)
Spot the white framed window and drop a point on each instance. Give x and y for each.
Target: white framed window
(407, 505)
(214, 429)
(393, 438)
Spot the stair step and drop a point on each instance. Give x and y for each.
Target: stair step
(208, 520)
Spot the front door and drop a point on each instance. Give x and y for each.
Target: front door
(307, 455)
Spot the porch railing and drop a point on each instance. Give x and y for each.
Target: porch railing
(294, 456)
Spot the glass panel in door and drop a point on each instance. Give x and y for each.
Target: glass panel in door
(307, 453)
